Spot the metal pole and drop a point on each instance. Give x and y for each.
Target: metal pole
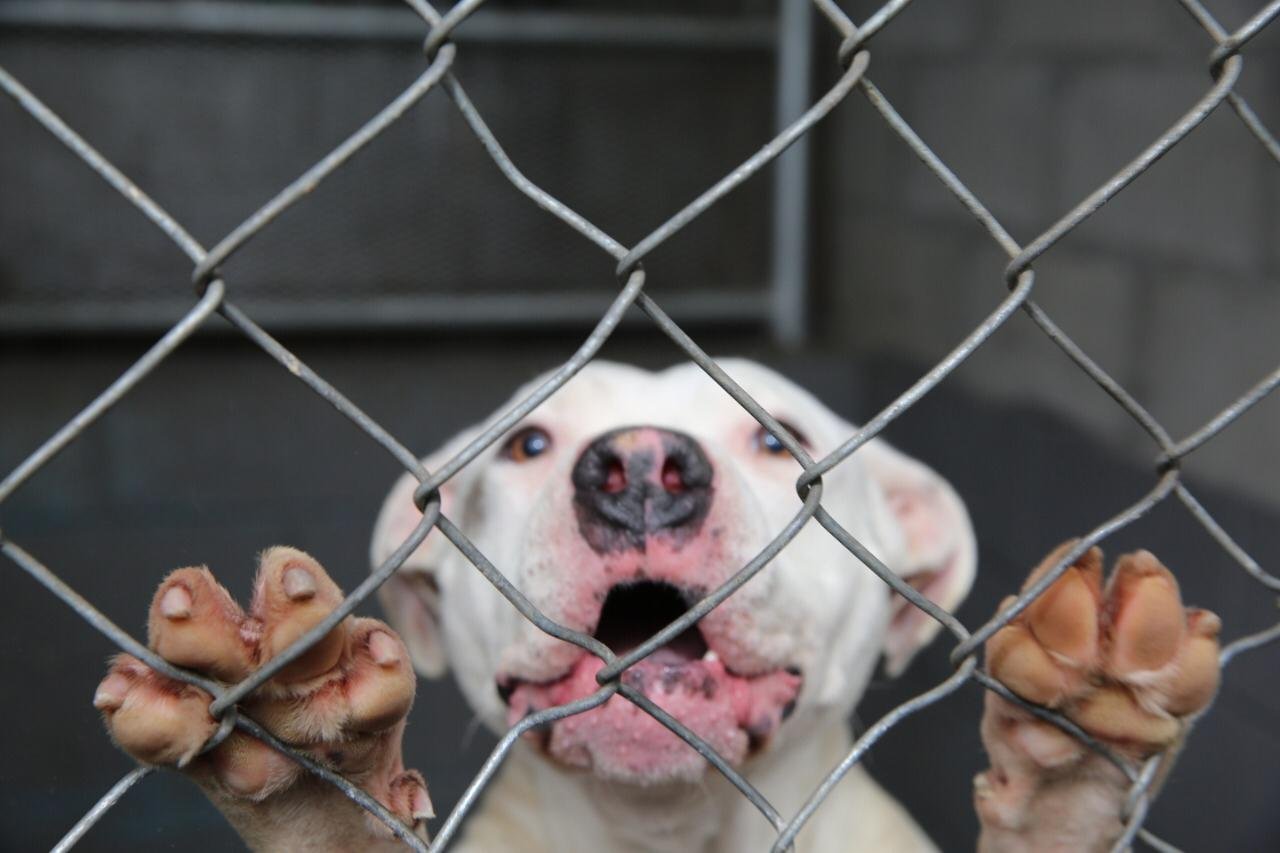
(789, 271)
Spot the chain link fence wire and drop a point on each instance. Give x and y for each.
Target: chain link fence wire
(1225, 65)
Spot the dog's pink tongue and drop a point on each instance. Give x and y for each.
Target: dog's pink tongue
(621, 741)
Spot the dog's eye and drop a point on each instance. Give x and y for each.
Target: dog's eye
(766, 442)
(526, 444)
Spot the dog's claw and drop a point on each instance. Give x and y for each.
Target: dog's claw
(111, 692)
(175, 604)
(299, 584)
(383, 649)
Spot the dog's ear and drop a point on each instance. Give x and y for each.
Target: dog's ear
(941, 552)
(411, 596)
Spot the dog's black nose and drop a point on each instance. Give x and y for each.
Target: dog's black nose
(640, 480)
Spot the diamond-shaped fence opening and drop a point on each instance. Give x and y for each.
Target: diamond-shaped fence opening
(437, 79)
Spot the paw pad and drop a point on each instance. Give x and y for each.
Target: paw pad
(1124, 661)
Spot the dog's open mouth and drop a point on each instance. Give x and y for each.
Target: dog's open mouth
(733, 713)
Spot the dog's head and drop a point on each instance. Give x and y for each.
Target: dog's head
(624, 499)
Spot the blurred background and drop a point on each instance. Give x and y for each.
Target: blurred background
(424, 286)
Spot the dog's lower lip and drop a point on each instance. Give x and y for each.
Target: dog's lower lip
(736, 715)
(506, 686)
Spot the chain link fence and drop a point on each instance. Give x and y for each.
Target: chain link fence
(1225, 66)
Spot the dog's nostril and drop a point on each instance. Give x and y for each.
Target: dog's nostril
(673, 476)
(615, 478)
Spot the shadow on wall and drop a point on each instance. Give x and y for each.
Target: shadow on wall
(221, 453)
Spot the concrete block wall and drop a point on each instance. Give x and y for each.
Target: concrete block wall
(1033, 103)
(1173, 287)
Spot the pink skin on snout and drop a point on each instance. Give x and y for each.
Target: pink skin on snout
(621, 741)
(734, 698)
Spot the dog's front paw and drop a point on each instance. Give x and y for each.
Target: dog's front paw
(1125, 661)
(343, 702)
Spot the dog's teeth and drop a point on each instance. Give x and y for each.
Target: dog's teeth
(710, 656)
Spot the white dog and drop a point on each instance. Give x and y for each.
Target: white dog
(619, 503)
